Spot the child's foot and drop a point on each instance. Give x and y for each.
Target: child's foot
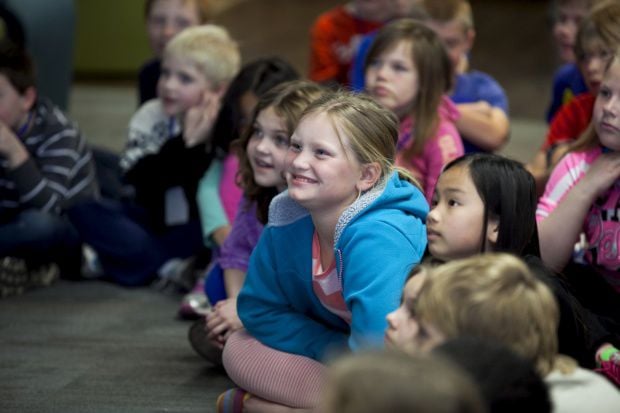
(608, 359)
(202, 345)
(231, 401)
(16, 277)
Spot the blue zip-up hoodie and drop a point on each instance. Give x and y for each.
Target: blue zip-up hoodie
(377, 241)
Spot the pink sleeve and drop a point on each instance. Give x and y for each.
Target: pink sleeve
(230, 193)
(564, 177)
(444, 147)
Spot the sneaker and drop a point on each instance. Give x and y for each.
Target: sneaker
(16, 277)
(611, 371)
(91, 266)
(177, 275)
(195, 304)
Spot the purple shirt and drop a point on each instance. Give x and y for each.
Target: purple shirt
(243, 237)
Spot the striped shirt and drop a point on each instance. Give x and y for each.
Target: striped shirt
(327, 285)
(601, 225)
(59, 171)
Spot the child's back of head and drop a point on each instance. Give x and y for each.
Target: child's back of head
(508, 382)
(395, 382)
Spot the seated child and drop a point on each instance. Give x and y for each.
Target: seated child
(218, 193)
(165, 19)
(597, 38)
(577, 214)
(486, 202)
(335, 35)
(482, 103)
(36, 185)
(568, 80)
(262, 152)
(330, 262)
(495, 296)
(408, 72)
(134, 239)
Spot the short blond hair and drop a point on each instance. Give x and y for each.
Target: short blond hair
(493, 296)
(211, 49)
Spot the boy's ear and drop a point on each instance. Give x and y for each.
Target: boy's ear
(371, 172)
(28, 98)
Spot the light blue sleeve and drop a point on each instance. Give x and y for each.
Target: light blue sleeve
(210, 208)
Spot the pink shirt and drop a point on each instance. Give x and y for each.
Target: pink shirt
(326, 284)
(602, 222)
(230, 193)
(445, 146)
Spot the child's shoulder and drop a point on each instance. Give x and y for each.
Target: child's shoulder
(148, 114)
(50, 119)
(283, 210)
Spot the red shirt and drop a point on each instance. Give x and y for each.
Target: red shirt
(571, 120)
(334, 38)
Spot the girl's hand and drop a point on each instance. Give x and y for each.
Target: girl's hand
(602, 174)
(199, 120)
(223, 320)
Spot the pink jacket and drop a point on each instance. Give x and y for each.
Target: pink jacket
(445, 146)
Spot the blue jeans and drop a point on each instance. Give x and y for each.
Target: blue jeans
(129, 249)
(40, 237)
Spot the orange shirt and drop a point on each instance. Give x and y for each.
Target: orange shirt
(335, 36)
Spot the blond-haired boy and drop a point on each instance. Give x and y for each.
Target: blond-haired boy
(165, 159)
(197, 66)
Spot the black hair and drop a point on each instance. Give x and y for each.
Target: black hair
(508, 382)
(508, 192)
(17, 65)
(257, 77)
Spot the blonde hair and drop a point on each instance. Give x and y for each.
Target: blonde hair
(211, 49)
(434, 74)
(204, 8)
(396, 382)
(445, 11)
(589, 138)
(493, 296)
(371, 129)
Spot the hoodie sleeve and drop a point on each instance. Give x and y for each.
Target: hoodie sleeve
(377, 258)
(270, 312)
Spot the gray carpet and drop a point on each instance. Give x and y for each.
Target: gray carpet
(95, 347)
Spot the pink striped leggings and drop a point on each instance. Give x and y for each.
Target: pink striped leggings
(273, 375)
